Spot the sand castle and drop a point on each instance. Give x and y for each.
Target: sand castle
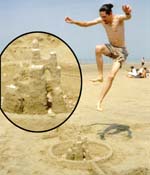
(37, 87)
(80, 153)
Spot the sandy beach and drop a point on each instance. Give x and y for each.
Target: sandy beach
(127, 103)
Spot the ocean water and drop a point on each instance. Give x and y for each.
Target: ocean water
(108, 60)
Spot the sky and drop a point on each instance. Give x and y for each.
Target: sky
(21, 16)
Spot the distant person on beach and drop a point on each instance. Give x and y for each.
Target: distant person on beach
(116, 49)
(142, 73)
(142, 62)
(133, 72)
(140, 70)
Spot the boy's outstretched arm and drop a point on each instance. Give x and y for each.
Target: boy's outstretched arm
(127, 10)
(83, 23)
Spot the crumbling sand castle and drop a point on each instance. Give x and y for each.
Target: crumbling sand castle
(37, 88)
(80, 153)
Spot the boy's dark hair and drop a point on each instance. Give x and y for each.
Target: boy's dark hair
(106, 8)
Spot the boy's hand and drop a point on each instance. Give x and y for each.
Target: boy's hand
(127, 9)
(69, 20)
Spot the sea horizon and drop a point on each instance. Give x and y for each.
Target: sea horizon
(109, 61)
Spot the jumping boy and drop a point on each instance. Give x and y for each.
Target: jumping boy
(116, 49)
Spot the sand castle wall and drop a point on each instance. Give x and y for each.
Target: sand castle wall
(37, 86)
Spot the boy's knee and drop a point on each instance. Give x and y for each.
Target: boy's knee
(99, 48)
(111, 77)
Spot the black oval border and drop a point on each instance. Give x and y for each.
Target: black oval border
(80, 82)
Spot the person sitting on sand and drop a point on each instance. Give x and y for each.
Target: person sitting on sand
(140, 70)
(132, 73)
(116, 49)
(142, 74)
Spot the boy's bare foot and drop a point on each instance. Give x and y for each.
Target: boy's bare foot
(99, 107)
(97, 80)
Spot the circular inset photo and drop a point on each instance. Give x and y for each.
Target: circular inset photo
(41, 81)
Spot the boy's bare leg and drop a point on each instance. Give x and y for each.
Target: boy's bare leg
(100, 49)
(107, 86)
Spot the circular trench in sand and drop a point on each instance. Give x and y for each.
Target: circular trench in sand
(94, 152)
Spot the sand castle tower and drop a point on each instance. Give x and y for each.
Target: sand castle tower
(78, 150)
(37, 87)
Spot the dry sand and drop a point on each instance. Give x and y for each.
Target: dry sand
(24, 153)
